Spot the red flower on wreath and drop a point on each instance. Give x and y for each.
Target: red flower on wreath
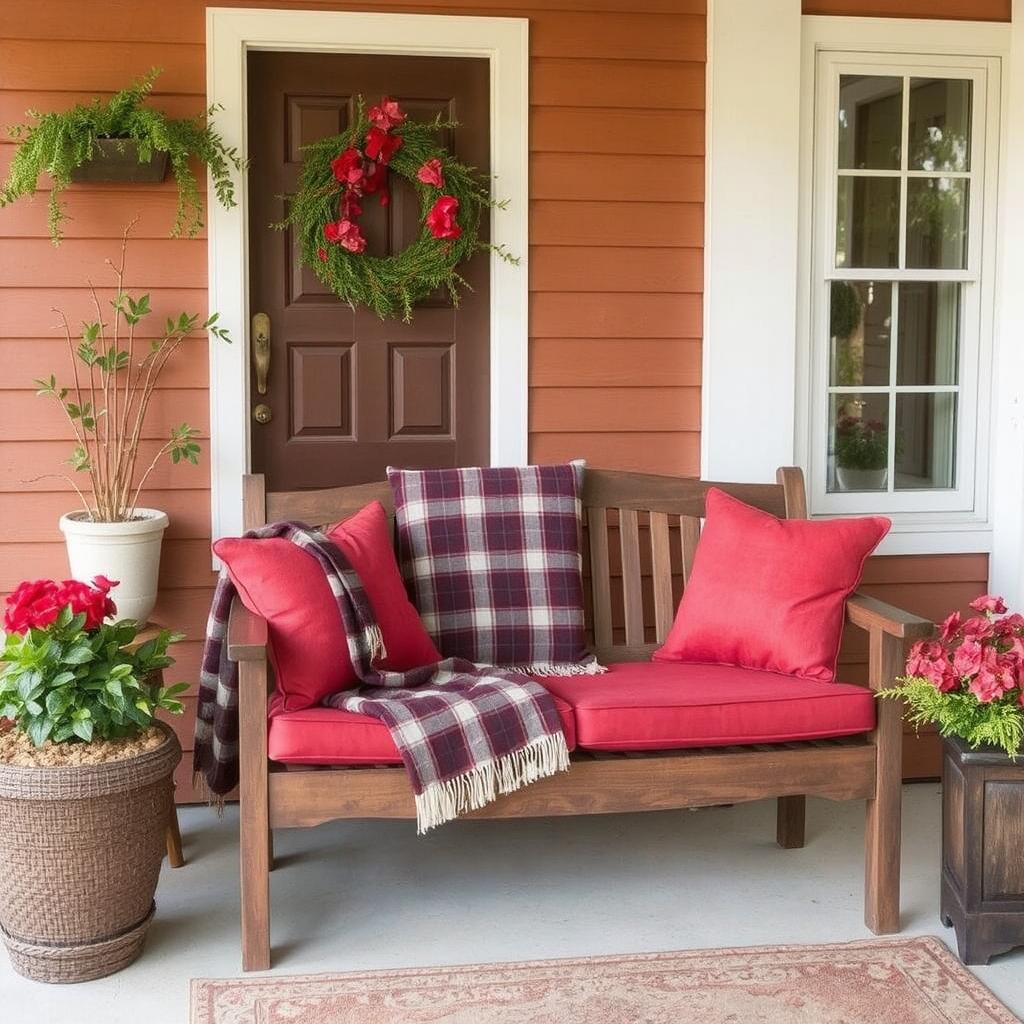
(376, 181)
(441, 219)
(382, 146)
(348, 168)
(430, 173)
(322, 254)
(345, 233)
(386, 114)
(350, 206)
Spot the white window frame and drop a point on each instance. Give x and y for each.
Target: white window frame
(936, 520)
(976, 294)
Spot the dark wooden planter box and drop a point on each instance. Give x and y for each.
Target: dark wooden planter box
(118, 160)
(982, 850)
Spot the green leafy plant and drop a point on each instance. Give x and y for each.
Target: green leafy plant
(861, 444)
(61, 141)
(65, 682)
(113, 383)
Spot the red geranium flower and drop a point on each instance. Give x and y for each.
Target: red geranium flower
(441, 219)
(348, 167)
(35, 604)
(989, 604)
(431, 173)
(382, 146)
(386, 114)
(345, 233)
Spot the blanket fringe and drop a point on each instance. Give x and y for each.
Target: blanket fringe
(214, 800)
(546, 668)
(444, 801)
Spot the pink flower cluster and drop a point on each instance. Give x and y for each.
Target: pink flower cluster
(983, 655)
(35, 604)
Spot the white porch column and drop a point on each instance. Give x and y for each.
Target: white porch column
(1006, 567)
(750, 259)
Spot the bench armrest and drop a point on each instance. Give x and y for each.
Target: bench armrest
(247, 634)
(871, 614)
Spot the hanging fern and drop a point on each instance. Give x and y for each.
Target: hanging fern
(60, 142)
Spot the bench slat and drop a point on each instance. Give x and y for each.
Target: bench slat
(661, 575)
(600, 575)
(632, 594)
(689, 531)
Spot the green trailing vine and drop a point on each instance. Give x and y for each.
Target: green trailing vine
(342, 172)
(998, 724)
(62, 141)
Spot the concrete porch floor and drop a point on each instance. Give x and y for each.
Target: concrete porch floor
(361, 895)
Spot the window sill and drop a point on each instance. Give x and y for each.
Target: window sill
(933, 538)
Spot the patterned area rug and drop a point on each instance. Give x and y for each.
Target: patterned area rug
(903, 981)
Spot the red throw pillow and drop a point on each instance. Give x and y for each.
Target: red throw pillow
(288, 588)
(770, 593)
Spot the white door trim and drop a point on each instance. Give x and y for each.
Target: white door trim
(230, 34)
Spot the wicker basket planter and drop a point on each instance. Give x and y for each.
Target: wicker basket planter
(117, 160)
(80, 853)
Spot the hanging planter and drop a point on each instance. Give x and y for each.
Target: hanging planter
(121, 140)
(119, 160)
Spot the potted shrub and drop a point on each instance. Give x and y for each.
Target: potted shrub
(106, 402)
(862, 454)
(85, 780)
(120, 140)
(969, 681)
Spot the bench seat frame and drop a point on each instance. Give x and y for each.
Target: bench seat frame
(867, 767)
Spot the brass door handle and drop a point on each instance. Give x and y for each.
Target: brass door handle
(261, 350)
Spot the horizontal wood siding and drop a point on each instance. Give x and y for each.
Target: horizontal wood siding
(959, 10)
(616, 267)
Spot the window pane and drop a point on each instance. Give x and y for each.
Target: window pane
(858, 443)
(928, 343)
(937, 223)
(940, 124)
(861, 322)
(870, 108)
(925, 441)
(867, 222)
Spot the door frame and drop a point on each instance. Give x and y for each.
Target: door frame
(230, 34)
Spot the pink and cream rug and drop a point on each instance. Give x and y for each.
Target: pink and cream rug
(902, 981)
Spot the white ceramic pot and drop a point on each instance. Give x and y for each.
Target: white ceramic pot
(862, 479)
(127, 552)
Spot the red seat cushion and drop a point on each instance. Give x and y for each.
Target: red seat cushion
(278, 580)
(660, 706)
(769, 593)
(329, 736)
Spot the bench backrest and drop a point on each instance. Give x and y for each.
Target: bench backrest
(640, 536)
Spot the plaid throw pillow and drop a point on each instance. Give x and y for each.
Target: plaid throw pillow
(493, 560)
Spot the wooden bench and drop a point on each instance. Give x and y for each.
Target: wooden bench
(641, 535)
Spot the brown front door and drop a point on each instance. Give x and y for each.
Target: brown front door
(349, 393)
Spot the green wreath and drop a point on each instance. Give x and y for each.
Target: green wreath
(343, 172)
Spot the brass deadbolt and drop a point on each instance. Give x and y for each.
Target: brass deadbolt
(262, 413)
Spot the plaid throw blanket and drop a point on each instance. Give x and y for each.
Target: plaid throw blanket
(465, 734)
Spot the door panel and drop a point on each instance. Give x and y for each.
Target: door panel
(349, 393)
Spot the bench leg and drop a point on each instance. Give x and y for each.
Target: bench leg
(254, 812)
(270, 849)
(790, 820)
(882, 833)
(175, 857)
